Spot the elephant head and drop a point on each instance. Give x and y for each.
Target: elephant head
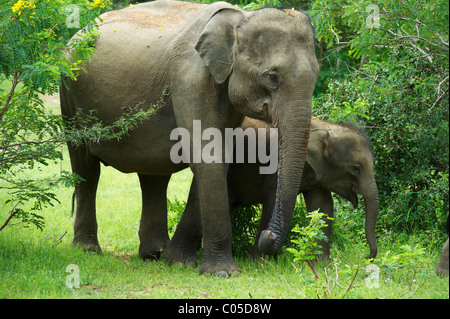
(344, 164)
(269, 60)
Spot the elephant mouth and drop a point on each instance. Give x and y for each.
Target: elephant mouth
(352, 196)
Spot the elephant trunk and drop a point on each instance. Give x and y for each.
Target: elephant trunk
(371, 202)
(293, 124)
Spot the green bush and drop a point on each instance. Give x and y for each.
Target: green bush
(33, 46)
(396, 86)
(33, 42)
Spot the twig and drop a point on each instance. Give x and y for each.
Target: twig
(59, 241)
(13, 213)
(328, 283)
(442, 41)
(350, 286)
(440, 83)
(312, 265)
(383, 10)
(439, 99)
(411, 285)
(16, 81)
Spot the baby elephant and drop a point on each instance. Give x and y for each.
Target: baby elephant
(339, 160)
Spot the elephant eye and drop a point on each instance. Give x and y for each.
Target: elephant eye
(356, 169)
(273, 79)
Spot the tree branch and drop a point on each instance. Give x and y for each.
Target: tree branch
(16, 81)
(15, 212)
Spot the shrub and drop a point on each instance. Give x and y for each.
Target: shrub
(396, 86)
(306, 249)
(33, 46)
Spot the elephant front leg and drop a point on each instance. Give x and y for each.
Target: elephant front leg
(153, 227)
(216, 221)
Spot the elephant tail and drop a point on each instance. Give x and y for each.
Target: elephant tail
(73, 204)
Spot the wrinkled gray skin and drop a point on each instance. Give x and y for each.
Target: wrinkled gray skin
(443, 266)
(216, 63)
(339, 160)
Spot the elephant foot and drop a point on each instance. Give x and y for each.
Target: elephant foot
(90, 245)
(222, 270)
(177, 256)
(151, 252)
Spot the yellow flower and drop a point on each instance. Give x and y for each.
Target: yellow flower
(100, 3)
(20, 5)
(17, 6)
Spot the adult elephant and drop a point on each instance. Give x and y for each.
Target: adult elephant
(215, 63)
(443, 265)
(339, 160)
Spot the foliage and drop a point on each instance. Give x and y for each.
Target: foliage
(244, 225)
(175, 210)
(395, 75)
(258, 4)
(33, 48)
(307, 248)
(32, 61)
(414, 257)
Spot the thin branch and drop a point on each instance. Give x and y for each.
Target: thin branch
(328, 292)
(16, 81)
(59, 241)
(350, 286)
(15, 212)
(383, 10)
(442, 41)
(439, 99)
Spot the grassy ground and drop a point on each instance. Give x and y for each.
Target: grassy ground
(33, 263)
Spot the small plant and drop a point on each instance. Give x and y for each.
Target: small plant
(409, 257)
(307, 248)
(400, 265)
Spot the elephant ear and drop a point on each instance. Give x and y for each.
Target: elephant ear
(317, 155)
(217, 42)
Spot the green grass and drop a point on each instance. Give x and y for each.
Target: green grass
(33, 263)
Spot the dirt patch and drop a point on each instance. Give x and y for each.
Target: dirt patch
(123, 255)
(140, 18)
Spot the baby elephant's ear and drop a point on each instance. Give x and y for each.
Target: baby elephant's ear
(217, 42)
(317, 155)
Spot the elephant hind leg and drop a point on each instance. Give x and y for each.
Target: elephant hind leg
(153, 227)
(85, 226)
(187, 239)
